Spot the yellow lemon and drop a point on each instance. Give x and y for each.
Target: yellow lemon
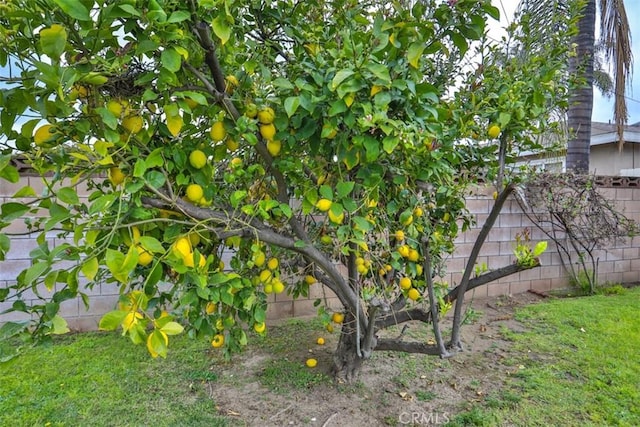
(265, 276)
(133, 124)
(311, 363)
(45, 135)
(144, 256)
(337, 317)
(232, 144)
(418, 212)
(274, 147)
(259, 327)
(218, 132)
(272, 264)
(399, 235)
(183, 247)
(405, 283)
(413, 255)
(210, 308)
(266, 115)
(309, 279)
(251, 110)
(231, 83)
(278, 286)
(268, 131)
(320, 341)
(404, 251)
(218, 341)
(413, 294)
(408, 220)
(324, 205)
(236, 162)
(197, 159)
(116, 176)
(493, 131)
(194, 192)
(336, 219)
(259, 259)
(118, 107)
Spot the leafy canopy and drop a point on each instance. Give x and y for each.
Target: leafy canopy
(200, 155)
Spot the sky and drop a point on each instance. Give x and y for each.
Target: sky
(602, 106)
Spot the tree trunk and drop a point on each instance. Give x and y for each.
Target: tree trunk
(581, 99)
(346, 361)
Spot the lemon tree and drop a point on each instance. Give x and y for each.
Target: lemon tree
(332, 141)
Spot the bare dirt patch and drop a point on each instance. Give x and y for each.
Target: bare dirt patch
(269, 385)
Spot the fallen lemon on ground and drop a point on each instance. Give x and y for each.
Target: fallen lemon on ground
(320, 341)
(312, 363)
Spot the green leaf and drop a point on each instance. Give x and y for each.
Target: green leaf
(341, 76)
(237, 197)
(5, 244)
(171, 60)
(172, 328)
(372, 149)
(53, 41)
(156, 179)
(140, 168)
(11, 329)
(151, 244)
(504, 119)
(35, 271)
(221, 27)
(326, 192)
(178, 16)
(90, 268)
(8, 171)
(111, 320)
(283, 83)
(389, 143)
(344, 188)
(68, 195)
(75, 9)
(381, 72)
(414, 53)
(59, 325)
(539, 248)
(154, 159)
(291, 104)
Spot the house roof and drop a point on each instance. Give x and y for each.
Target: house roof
(605, 133)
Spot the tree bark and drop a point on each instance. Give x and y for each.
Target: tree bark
(581, 99)
(346, 361)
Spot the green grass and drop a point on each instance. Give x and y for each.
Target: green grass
(577, 366)
(99, 379)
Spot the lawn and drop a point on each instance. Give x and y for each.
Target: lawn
(570, 362)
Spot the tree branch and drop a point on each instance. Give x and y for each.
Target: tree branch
(407, 347)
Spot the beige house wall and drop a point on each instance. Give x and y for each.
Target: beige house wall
(618, 264)
(606, 159)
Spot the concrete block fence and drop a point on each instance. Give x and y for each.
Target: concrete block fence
(619, 264)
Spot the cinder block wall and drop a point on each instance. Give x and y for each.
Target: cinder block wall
(618, 264)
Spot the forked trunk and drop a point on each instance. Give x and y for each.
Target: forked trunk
(346, 362)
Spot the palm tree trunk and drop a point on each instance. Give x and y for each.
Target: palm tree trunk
(581, 100)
